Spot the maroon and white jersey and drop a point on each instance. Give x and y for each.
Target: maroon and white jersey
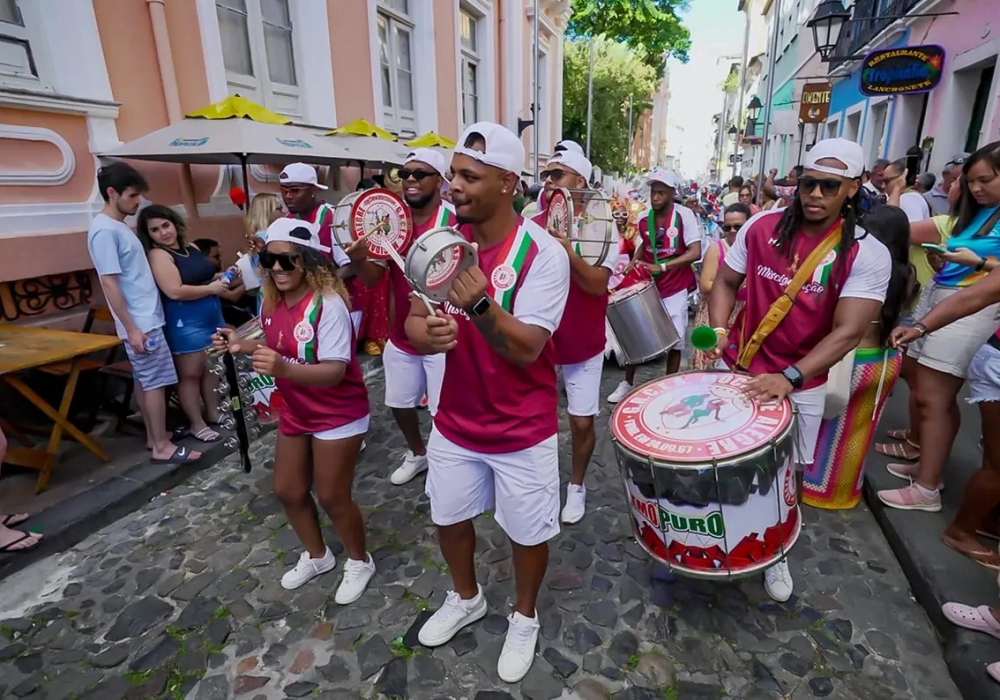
(671, 235)
(314, 330)
(488, 404)
(322, 216)
(863, 274)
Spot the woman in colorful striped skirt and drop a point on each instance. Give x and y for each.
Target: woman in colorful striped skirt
(834, 479)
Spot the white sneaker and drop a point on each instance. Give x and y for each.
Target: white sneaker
(307, 569)
(576, 504)
(411, 466)
(778, 582)
(357, 574)
(453, 615)
(518, 648)
(620, 393)
(363, 445)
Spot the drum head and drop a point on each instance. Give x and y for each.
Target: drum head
(559, 213)
(435, 260)
(595, 231)
(696, 418)
(384, 219)
(342, 219)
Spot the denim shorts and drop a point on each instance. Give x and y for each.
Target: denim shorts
(984, 375)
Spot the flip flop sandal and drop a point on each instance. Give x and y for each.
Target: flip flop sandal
(989, 536)
(8, 548)
(180, 456)
(984, 557)
(897, 450)
(207, 435)
(993, 670)
(978, 619)
(899, 434)
(14, 519)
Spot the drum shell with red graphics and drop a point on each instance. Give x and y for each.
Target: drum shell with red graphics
(709, 475)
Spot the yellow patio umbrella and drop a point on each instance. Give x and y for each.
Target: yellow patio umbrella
(368, 143)
(361, 127)
(430, 140)
(239, 108)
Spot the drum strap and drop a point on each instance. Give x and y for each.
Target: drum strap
(783, 304)
(676, 223)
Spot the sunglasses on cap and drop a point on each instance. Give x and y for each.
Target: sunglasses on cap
(286, 261)
(956, 161)
(827, 186)
(418, 175)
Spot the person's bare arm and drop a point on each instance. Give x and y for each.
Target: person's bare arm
(709, 269)
(768, 188)
(168, 279)
(685, 259)
(361, 266)
(852, 319)
(518, 342)
(722, 299)
(924, 232)
(116, 300)
(416, 327)
(964, 303)
(592, 280)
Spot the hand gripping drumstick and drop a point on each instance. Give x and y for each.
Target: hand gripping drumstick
(402, 267)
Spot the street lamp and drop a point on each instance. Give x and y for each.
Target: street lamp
(733, 131)
(753, 109)
(826, 24)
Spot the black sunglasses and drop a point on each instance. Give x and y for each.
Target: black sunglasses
(827, 186)
(286, 261)
(555, 174)
(956, 161)
(418, 175)
(731, 227)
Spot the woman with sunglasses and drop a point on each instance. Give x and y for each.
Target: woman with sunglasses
(736, 215)
(746, 198)
(309, 349)
(943, 357)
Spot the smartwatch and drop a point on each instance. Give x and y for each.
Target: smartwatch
(794, 376)
(480, 307)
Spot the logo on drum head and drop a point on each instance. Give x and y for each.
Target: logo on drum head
(443, 267)
(382, 217)
(303, 332)
(503, 277)
(791, 492)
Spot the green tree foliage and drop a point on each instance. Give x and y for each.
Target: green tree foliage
(650, 25)
(619, 73)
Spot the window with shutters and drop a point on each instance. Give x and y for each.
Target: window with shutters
(17, 63)
(394, 27)
(469, 30)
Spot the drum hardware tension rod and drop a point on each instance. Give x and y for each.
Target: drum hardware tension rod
(394, 255)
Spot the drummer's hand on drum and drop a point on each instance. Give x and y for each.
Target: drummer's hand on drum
(768, 387)
(442, 331)
(268, 363)
(468, 287)
(358, 250)
(225, 340)
(648, 267)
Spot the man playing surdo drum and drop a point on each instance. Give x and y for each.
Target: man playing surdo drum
(668, 244)
(495, 438)
(579, 340)
(828, 316)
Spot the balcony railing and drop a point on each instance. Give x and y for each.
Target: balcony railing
(874, 17)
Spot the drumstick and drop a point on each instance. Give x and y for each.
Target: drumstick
(396, 258)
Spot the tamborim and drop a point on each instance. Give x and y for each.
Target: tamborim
(559, 213)
(435, 259)
(383, 218)
(708, 473)
(595, 230)
(640, 324)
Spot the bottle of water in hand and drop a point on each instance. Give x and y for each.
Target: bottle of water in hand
(228, 276)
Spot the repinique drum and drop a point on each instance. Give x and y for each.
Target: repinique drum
(260, 390)
(709, 474)
(435, 259)
(594, 230)
(379, 215)
(559, 212)
(642, 328)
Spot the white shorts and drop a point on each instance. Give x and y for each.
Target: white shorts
(676, 307)
(523, 486)
(583, 386)
(408, 377)
(356, 320)
(357, 427)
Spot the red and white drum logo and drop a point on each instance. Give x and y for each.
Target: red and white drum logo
(503, 278)
(383, 218)
(303, 332)
(790, 490)
(443, 267)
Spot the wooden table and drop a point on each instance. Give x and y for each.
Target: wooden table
(23, 348)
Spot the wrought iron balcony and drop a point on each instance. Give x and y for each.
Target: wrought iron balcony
(871, 18)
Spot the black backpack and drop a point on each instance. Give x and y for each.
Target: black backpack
(868, 201)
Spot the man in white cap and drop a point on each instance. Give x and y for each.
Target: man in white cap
(579, 341)
(828, 316)
(567, 145)
(668, 245)
(495, 437)
(410, 374)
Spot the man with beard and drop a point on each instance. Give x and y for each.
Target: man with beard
(668, 244)
(495, 437)
(826, 318)
(410, 374)
(579, 341)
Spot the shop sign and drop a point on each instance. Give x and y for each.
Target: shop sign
(902, 71)
(815, 103)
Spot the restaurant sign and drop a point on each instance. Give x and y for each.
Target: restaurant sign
(815, 103)
(902, 71)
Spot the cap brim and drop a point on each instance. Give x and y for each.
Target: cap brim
(304, 184)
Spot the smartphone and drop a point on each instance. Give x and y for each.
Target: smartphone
(934, 248)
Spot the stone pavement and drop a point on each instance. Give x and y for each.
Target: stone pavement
(181, 600)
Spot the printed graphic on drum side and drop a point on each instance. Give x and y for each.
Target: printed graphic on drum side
(559, 213)
(443, 267)
(718, 540)
(383, 217)
(696, 417)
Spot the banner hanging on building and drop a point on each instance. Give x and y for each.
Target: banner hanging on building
(902, 71)
(815, 103)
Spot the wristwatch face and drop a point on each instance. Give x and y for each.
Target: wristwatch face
(481, 306)
(793, 376)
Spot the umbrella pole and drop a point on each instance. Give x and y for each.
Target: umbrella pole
(246, 184)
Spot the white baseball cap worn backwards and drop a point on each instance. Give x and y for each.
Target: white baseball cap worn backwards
(504, 150)
(300, 174)
(297, 231)
(574, 161)
(430, 157)
(664, 177)
(847, 152)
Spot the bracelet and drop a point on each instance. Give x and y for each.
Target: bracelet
(922, 328)
(663, 267)
(982, 265)
(721, 331)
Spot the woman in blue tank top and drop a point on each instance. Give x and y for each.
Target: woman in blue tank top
(190, 289)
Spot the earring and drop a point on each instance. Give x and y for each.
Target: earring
(503, 191)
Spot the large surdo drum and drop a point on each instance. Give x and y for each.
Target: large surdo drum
(709, 474)
(641, 326)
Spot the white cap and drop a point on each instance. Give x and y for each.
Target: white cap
(298, 231)
(664, 177)
(847, 152)
(568, 145)
(300, 174)
(574, 161)
(430, 156)
(503, 149)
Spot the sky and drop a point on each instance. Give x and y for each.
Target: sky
(717, 29)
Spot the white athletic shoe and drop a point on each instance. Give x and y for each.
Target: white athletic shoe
(307, 569)
(518, 648)
(778, 582)
(411, 466)
(363, 445)
(620, 393)
(357, 574)
(576, 504)
(453, 615)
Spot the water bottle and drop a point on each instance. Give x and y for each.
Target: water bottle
(228, 276)
(149, 344)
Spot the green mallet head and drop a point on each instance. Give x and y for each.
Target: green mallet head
(704, 338)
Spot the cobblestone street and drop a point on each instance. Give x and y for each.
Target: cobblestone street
(181, 599)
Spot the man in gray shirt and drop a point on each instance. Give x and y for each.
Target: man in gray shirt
(937, 198)
(134, 298)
